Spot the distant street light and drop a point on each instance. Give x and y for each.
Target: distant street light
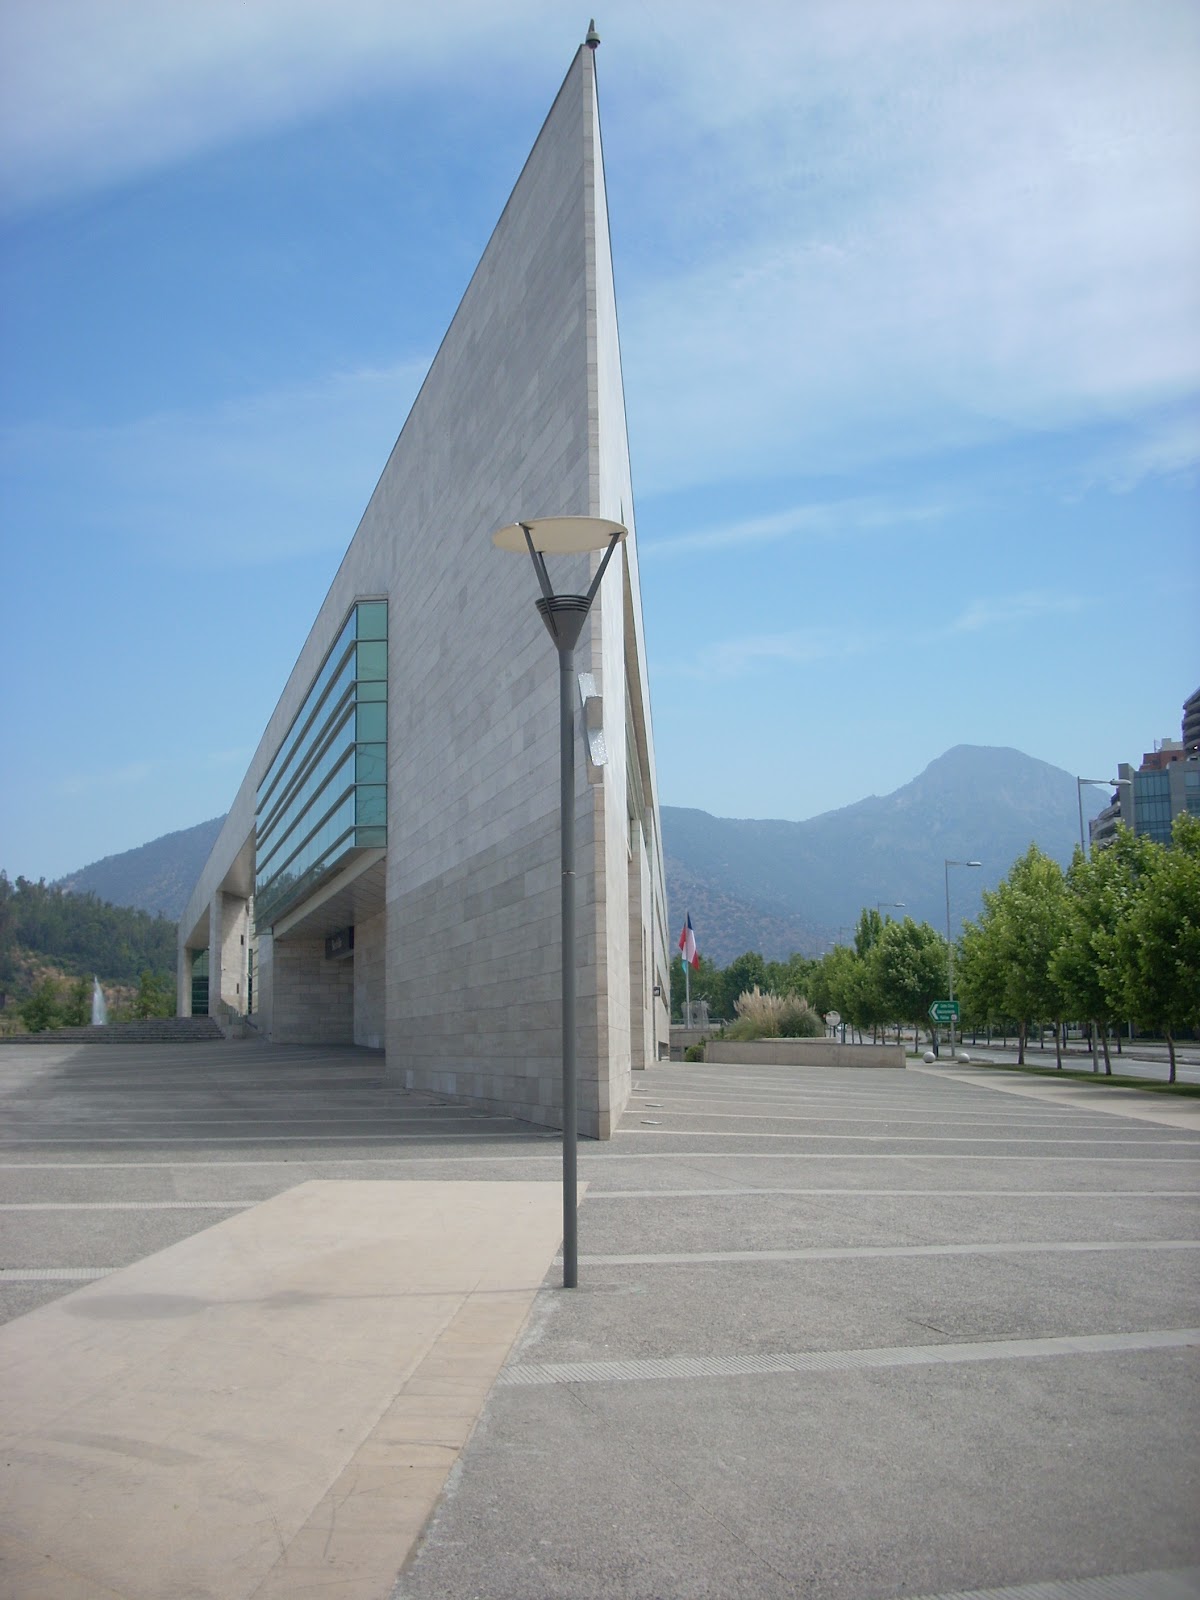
(950, 941)
(564, 616)
(880, 905)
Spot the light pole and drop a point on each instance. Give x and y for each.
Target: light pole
(564, 616)
(950, 941)
(882, 905)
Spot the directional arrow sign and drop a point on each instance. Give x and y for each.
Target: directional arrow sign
(944, 1011)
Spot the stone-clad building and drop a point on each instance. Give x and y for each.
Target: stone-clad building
(388, 873)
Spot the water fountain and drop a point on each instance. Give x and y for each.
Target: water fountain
(99, 1007)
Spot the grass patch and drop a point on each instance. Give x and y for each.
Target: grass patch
(1116, 1081)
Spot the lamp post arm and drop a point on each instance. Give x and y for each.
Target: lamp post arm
(613, 542)
(539, 564)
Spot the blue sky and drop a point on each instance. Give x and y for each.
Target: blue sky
(910, 319)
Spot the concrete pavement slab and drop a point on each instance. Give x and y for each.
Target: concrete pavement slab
(269, 1407)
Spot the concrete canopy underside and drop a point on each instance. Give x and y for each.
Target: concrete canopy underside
(457, 954)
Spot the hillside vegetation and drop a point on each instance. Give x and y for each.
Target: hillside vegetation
(44, 927)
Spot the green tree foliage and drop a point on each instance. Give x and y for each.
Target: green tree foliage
(707, 982)
(840, 985)
(40, 1011)
(793, 976)
(1099, 893)
(744, 972)
(155, 996)
(1156, 944)
(866, 934)
(1019, 931)
(81, 934)
(906, 971)
(77, 1007)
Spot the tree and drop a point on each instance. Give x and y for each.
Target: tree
(793, 976)
(40, 1011)
(77, 1008)
(866, 934)
(1156, 947)
(839, 984)
(1007, 958)
(907, 967)
(707, 982)
(1099, 894)
(155, 996)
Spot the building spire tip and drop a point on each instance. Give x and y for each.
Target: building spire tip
(593, 38)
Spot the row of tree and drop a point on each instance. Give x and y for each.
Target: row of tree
(889, 976)
(1116, 938)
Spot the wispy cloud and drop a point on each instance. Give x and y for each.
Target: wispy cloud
(250, 481)
(1010, 611)
(825, 520)
(725, 659)
(94, 93)
(123, 777)
(877, 230)
(731, 658)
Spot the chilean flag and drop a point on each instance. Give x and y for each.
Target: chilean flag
(687, 943)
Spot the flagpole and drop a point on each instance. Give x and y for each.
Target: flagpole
(687, 980)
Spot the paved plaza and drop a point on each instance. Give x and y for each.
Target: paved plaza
(843, 1334)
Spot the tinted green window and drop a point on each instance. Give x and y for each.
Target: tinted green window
(372, 722)
(372, 660)
(371, 764)
(372, 805)
(324, 794)
(372, 619)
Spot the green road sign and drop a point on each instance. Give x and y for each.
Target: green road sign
(944, 1011)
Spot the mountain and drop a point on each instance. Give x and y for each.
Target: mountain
(783, 886)
(157, 877)
(773, 886)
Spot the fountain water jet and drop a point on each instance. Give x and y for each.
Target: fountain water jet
(99, 1007)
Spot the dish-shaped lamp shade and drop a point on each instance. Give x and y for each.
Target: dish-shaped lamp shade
(559, 536)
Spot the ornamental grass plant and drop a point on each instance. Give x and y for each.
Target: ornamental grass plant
(763, 1015)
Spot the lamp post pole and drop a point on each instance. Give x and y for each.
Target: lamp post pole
(564, 616)
(950, 941)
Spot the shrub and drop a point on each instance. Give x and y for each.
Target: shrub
(798, 1020)
(694, 1052)
(771, 1016)
(757, 1015)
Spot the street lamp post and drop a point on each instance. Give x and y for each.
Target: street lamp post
(950, 941)
(882, 905)
(564, 616)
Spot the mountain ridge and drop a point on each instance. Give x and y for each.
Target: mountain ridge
(766, 883)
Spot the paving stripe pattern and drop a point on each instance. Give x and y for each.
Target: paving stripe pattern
(743, 1400)
(1183, 1584)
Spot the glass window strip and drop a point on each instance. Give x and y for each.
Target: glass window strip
(320, 767)
(320, 846)
(334, 741)
(337, 782)
(343, 645)
(341, 674)
(338, 692)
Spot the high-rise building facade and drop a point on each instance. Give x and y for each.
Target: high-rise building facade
(388, 873)
(1167, 782)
